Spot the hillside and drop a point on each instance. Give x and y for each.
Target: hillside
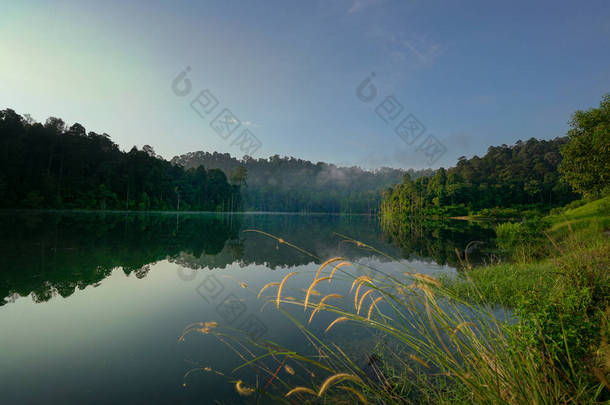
(52, 166)
(296, 185)
(507, 177)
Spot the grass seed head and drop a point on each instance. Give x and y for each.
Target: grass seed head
(301, 389)
(310, 289)
(338, 266)
(336, 321)
(362, 300)
(265, 287)
(326, 263)
(279, 290)
(242, 389)
(358, 281)
(336, 378)
(373, 305)
(322, 303)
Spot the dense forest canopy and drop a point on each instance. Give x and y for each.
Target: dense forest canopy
(52, 166)
(290, 184)
(507, 176)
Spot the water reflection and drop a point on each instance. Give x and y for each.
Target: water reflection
(439, 239)
(117, 342)
(49, 254)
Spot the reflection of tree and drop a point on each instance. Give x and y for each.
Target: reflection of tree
(439, 239)
(316, 234)
(49, 254)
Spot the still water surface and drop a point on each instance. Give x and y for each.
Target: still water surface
(92, 304)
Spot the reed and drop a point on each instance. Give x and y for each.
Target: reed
(242, 389)
(322, 303)
(432, 347)
(279, 289)
(326, 263)
(310, 289)
(336, 321)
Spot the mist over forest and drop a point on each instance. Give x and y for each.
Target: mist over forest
(295, 185)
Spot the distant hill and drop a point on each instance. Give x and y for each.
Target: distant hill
(508, 176)
(52, 166)
(296, 185)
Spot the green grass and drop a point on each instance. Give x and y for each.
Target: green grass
(594, 214)
(558, 285)
(537, 248)
(505, 284)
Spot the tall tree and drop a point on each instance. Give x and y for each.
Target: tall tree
(49, 166)
(586, 157)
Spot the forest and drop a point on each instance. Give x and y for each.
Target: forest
(52, 166)
(536, 175)
(523, 175)
(289, 184)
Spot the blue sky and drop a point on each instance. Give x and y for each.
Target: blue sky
(474, 73)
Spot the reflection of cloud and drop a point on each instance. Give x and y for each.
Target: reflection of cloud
(361, 5)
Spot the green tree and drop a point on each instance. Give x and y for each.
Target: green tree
(586, 157)
(239, 175)
(53, 166)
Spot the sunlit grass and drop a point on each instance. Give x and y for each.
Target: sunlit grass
(446, 345)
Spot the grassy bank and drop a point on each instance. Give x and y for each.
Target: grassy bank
(540, 251)
(440, 341)
(558, 284)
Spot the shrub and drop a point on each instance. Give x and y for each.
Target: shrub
(522, 241)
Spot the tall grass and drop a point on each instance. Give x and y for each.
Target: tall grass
(433, 347)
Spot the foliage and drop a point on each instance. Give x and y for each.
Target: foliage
(294, 185)
(586, 156)
(504, 283)
(423, 238)
(431, 347)
(570, 314)
(561, 301)
(86, 247)
(522, 241)
(590, 214)
(51, 166)
(503, 181)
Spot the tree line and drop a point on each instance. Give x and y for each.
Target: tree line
(523, 174)
(537, 174)
(296, 185)
(54, 166)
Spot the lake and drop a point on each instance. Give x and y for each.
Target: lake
(93, 303)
